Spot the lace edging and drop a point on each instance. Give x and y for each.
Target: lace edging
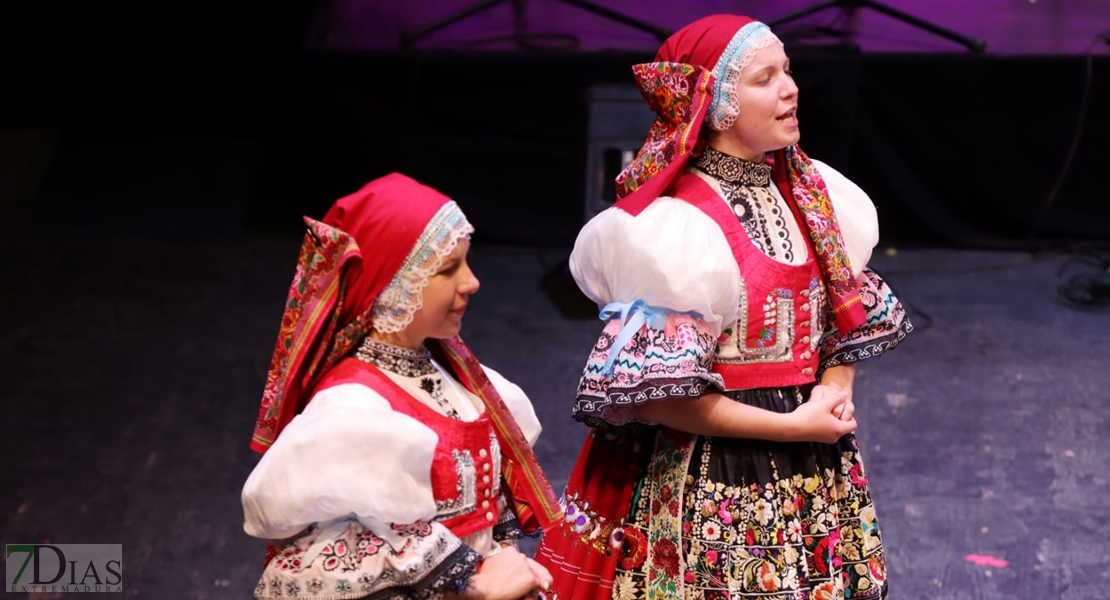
(395, 306)
(739, 54)
(855, 353)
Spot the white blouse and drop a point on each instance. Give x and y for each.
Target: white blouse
(674, 256)
(349, 457)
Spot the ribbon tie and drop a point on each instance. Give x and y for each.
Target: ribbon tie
(633, 316)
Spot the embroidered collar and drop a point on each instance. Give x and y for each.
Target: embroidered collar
(733, 169)
(402, 361)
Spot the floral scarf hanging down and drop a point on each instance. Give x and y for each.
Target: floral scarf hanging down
(798, 178)
(311, 316)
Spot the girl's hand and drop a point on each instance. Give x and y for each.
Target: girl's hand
(542, 574)
(507, 575)
(842, 377)
(825, 418)
(845, 410)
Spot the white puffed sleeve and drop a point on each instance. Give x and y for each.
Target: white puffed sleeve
(518, 404)
(672, 256)
(348, 452)
(855, 213)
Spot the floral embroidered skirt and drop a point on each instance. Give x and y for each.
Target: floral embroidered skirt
(661, 514)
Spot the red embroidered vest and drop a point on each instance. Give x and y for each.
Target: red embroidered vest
(774, 341)
(466, 465)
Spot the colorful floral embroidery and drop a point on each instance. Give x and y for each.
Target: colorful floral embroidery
(633, 549)
(602, 535)
(812, 198)
(655, 364)
(887, 325)
(773, 342)
(675, 91)
(664, 523)
(311, 311)
(358, 564)
(804, 536)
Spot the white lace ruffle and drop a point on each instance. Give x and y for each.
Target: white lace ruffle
(747, 42)
(393, 309)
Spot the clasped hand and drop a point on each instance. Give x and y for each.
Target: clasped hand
(827, 416)
(507, 575)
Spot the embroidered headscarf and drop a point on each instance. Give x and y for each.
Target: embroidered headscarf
(363, 267)
(692, 82)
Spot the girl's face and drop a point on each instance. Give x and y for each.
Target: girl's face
(768, 100)
(445, 299)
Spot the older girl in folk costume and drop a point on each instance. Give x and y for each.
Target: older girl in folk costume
(732, 272)
(409, 472)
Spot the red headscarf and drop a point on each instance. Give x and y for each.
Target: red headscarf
(346, 261)
(678, 86)
(702, 42)
(681, 88)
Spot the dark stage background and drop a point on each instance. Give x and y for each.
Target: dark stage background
(955, 147)
(155, 162)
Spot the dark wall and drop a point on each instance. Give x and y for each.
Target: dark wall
(954, 149)
(970, 150)
(150, 66)
(505, 134)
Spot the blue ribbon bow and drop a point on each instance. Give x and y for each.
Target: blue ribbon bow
(633, 316)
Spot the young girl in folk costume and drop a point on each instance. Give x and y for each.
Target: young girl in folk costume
(408, 471)
(732, 271)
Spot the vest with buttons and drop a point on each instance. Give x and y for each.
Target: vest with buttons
(466, 466)
(781, 314)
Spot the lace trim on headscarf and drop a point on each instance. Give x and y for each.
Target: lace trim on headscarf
(747, 42)
(399, 301)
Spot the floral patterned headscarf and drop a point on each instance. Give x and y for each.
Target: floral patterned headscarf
(363, 267)
(685, 88)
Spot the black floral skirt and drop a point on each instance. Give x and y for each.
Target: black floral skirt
(661, 514)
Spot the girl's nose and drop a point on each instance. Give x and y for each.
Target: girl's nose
(470, 282)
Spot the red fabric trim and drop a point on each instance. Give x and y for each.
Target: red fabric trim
(533, 500)
(600, 486)
(452, 435)
(310, 318)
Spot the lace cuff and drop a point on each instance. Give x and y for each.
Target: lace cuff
(886, 326)
(656, 363)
